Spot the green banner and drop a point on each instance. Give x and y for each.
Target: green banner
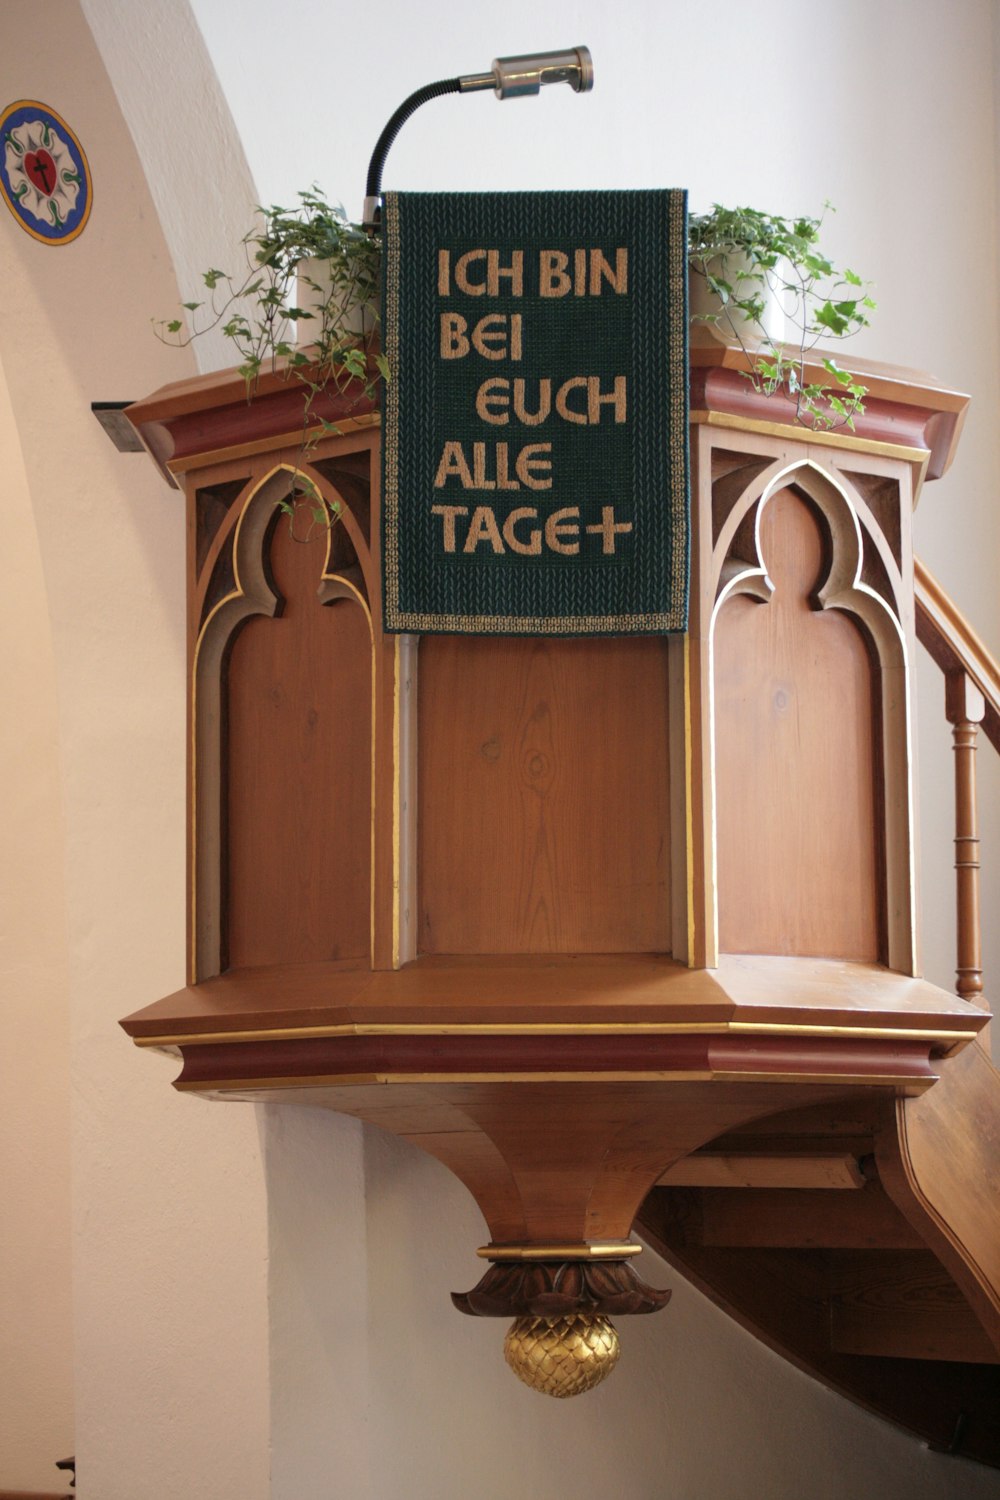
(534, 454)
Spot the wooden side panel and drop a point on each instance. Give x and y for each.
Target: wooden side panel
(298, 756)
(811, 1218)
(544, 790)
(795, 716)
(938, 1160)
(904, 1305)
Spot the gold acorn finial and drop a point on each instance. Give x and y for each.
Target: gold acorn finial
(562, 1356)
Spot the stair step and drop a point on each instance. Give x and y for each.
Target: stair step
(902, 1305)
(786, 1219)
(787, 1169)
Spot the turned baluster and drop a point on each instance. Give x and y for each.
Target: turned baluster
(964, 710)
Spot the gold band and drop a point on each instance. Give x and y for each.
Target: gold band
(556, 1028)
(622, 1250)
(849, 444)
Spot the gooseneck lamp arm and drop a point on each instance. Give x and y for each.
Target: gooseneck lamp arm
(509, 77)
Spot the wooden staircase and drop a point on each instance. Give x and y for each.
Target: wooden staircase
(862, 1242)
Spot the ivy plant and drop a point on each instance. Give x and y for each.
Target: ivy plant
(257, 309)
(746, 256)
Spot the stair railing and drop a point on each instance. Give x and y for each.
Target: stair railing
(972, 699)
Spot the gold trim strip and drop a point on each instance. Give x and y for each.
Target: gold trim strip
(302, 1033)
(689, 797)
(882, 1080)
(623, 1250)
(587, 1028)
(876, 1032)
(345, 425)
(799, 435)
(396, 801)
(349, 1080)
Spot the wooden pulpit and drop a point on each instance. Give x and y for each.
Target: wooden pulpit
(625, 931)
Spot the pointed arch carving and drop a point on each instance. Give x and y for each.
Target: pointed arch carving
(857, 551)
(243, 540)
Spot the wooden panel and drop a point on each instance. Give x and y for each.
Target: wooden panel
(212, 503)
(543, 1169)
(620, 990)
(939, 1164)
(782, 1219)
(34, 1495)
(903, 1306)
(718, 1169)
(795, 763)
(882, 495)
(543, 796)
(299, 773)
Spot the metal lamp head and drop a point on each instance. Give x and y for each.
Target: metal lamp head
(515, 77)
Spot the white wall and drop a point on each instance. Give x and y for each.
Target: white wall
(36, 1363)
(169, 1349)
(371, 1387)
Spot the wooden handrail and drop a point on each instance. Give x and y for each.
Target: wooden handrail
(34, 1495)
(972, 702)
(949, 638)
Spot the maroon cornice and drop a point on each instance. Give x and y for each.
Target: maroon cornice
(209, 1065)
(211, 413)
(216, 412)
(905, 407)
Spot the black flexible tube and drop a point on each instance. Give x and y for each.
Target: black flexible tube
(395, 124)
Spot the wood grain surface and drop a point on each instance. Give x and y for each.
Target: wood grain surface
(544, 787)
(904, 1305)
(797, 851)
(299, 772)
(939, 1164)
(779, 994)
(788, 1219)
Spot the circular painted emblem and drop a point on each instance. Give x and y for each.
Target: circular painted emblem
(44, 174)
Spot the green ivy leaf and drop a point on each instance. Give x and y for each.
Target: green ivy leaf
(827, 316)
(832, 368)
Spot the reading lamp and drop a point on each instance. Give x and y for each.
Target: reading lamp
(509, 78)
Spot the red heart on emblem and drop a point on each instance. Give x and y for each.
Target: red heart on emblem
(41, 170)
